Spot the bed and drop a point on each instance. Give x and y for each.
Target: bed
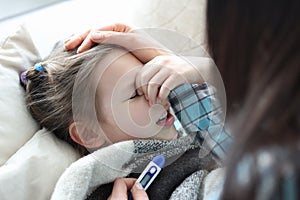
(31, 158)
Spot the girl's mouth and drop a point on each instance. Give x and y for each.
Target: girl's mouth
(167, 119)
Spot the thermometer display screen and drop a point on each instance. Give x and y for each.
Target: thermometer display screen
(145, 180)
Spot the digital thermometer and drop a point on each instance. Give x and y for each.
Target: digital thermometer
(150, 172)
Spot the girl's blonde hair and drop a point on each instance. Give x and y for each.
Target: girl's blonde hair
(49, 93)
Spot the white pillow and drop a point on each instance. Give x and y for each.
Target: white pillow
(32, 172)
(30, 162)
(185, 17)
(17, 52)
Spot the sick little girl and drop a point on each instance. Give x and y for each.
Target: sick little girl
(93, 100)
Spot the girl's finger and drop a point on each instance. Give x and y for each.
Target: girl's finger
(169, 84)
(144, 76)
(140, 84)
(155, 83)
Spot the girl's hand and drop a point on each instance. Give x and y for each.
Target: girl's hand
(123, 185)
(136, 41)
(163, 73)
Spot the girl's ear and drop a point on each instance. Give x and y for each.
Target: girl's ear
(85, 137)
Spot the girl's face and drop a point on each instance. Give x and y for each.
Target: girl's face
(122, 114)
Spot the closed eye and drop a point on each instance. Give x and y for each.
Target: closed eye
(135, 94)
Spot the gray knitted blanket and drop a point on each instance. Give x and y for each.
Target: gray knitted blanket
(103, 166)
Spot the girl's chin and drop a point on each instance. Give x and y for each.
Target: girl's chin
(169, 133)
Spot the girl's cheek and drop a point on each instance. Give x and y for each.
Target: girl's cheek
(139, 111)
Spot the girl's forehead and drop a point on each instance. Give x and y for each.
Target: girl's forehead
(119, 71)
(116, 63)
(124, 65)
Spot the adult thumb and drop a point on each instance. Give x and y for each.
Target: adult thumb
(138, 192)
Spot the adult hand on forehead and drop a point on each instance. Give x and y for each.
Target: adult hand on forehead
(88, 38)
(163, 71)
(136, 41)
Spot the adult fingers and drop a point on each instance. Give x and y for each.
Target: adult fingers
(76, 40)
(87, 41)
(138, 193)
(120, 188)
(144, 47)
(94, 37)
(118, 27)
(101, 34)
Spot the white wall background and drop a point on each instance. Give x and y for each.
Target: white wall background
(60, 20)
